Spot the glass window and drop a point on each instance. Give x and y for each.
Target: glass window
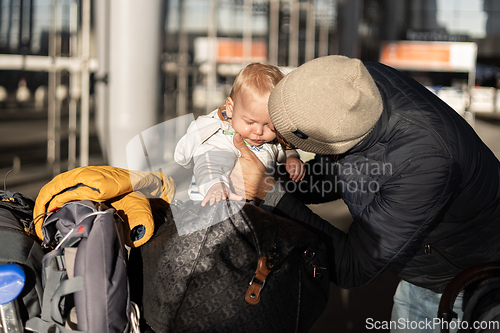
(462, 17)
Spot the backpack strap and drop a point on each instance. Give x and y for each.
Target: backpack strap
(38, 325)
(54, 272)
(66, 287)
(51, 319)
(59, 282)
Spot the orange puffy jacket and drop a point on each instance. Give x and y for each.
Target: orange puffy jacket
(128, 192)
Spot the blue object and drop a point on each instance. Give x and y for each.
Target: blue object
(12, 279)
(137, 233)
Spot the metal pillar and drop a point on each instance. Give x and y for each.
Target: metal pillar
(310, 31)
(74, 89)
(349, 18)
(182, 62)
(293, 47)
(101, 96)
(134, 72)
(53, 123)
(274, 18)
(84, 126)
(323, 37)
(212, 65)
(247, 31)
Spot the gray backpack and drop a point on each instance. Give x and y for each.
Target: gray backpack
(84, 277)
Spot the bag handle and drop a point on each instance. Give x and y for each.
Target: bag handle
(36, 324)
(258, 281)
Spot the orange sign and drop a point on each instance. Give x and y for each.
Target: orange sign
(429, 55)
(416, 52)
(231, 50)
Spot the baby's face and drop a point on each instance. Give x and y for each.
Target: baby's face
(250, 117)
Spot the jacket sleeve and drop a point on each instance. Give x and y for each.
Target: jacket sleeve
(400, 216)
(318, 185)
(283, 154)
(213, 162)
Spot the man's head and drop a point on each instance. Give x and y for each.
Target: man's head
(326, 106)
(247, 102)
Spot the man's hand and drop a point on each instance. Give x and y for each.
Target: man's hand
(295, 167)
(218, 192)
(249, 177)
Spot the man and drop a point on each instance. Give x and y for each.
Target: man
(423, 189)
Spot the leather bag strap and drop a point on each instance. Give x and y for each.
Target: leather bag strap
(258, 281)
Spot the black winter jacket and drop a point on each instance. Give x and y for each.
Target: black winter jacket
(422, 179)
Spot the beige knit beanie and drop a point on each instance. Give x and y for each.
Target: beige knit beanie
(326, 106)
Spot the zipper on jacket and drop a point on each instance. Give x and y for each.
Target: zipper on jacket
(428, 249)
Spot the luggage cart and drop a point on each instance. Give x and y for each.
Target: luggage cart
(482, 307)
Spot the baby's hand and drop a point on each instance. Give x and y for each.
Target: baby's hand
(295, 167)
(218, 192)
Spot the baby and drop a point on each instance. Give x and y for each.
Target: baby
(208, 143)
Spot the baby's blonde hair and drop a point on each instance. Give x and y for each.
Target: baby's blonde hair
(257, 77)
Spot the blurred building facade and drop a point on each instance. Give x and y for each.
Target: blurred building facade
(202, 44)
(297, 31)
(291, 31)
(288, 33)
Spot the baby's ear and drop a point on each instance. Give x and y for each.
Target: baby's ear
(229, 107)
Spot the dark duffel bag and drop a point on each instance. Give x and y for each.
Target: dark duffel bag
(244, 270)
